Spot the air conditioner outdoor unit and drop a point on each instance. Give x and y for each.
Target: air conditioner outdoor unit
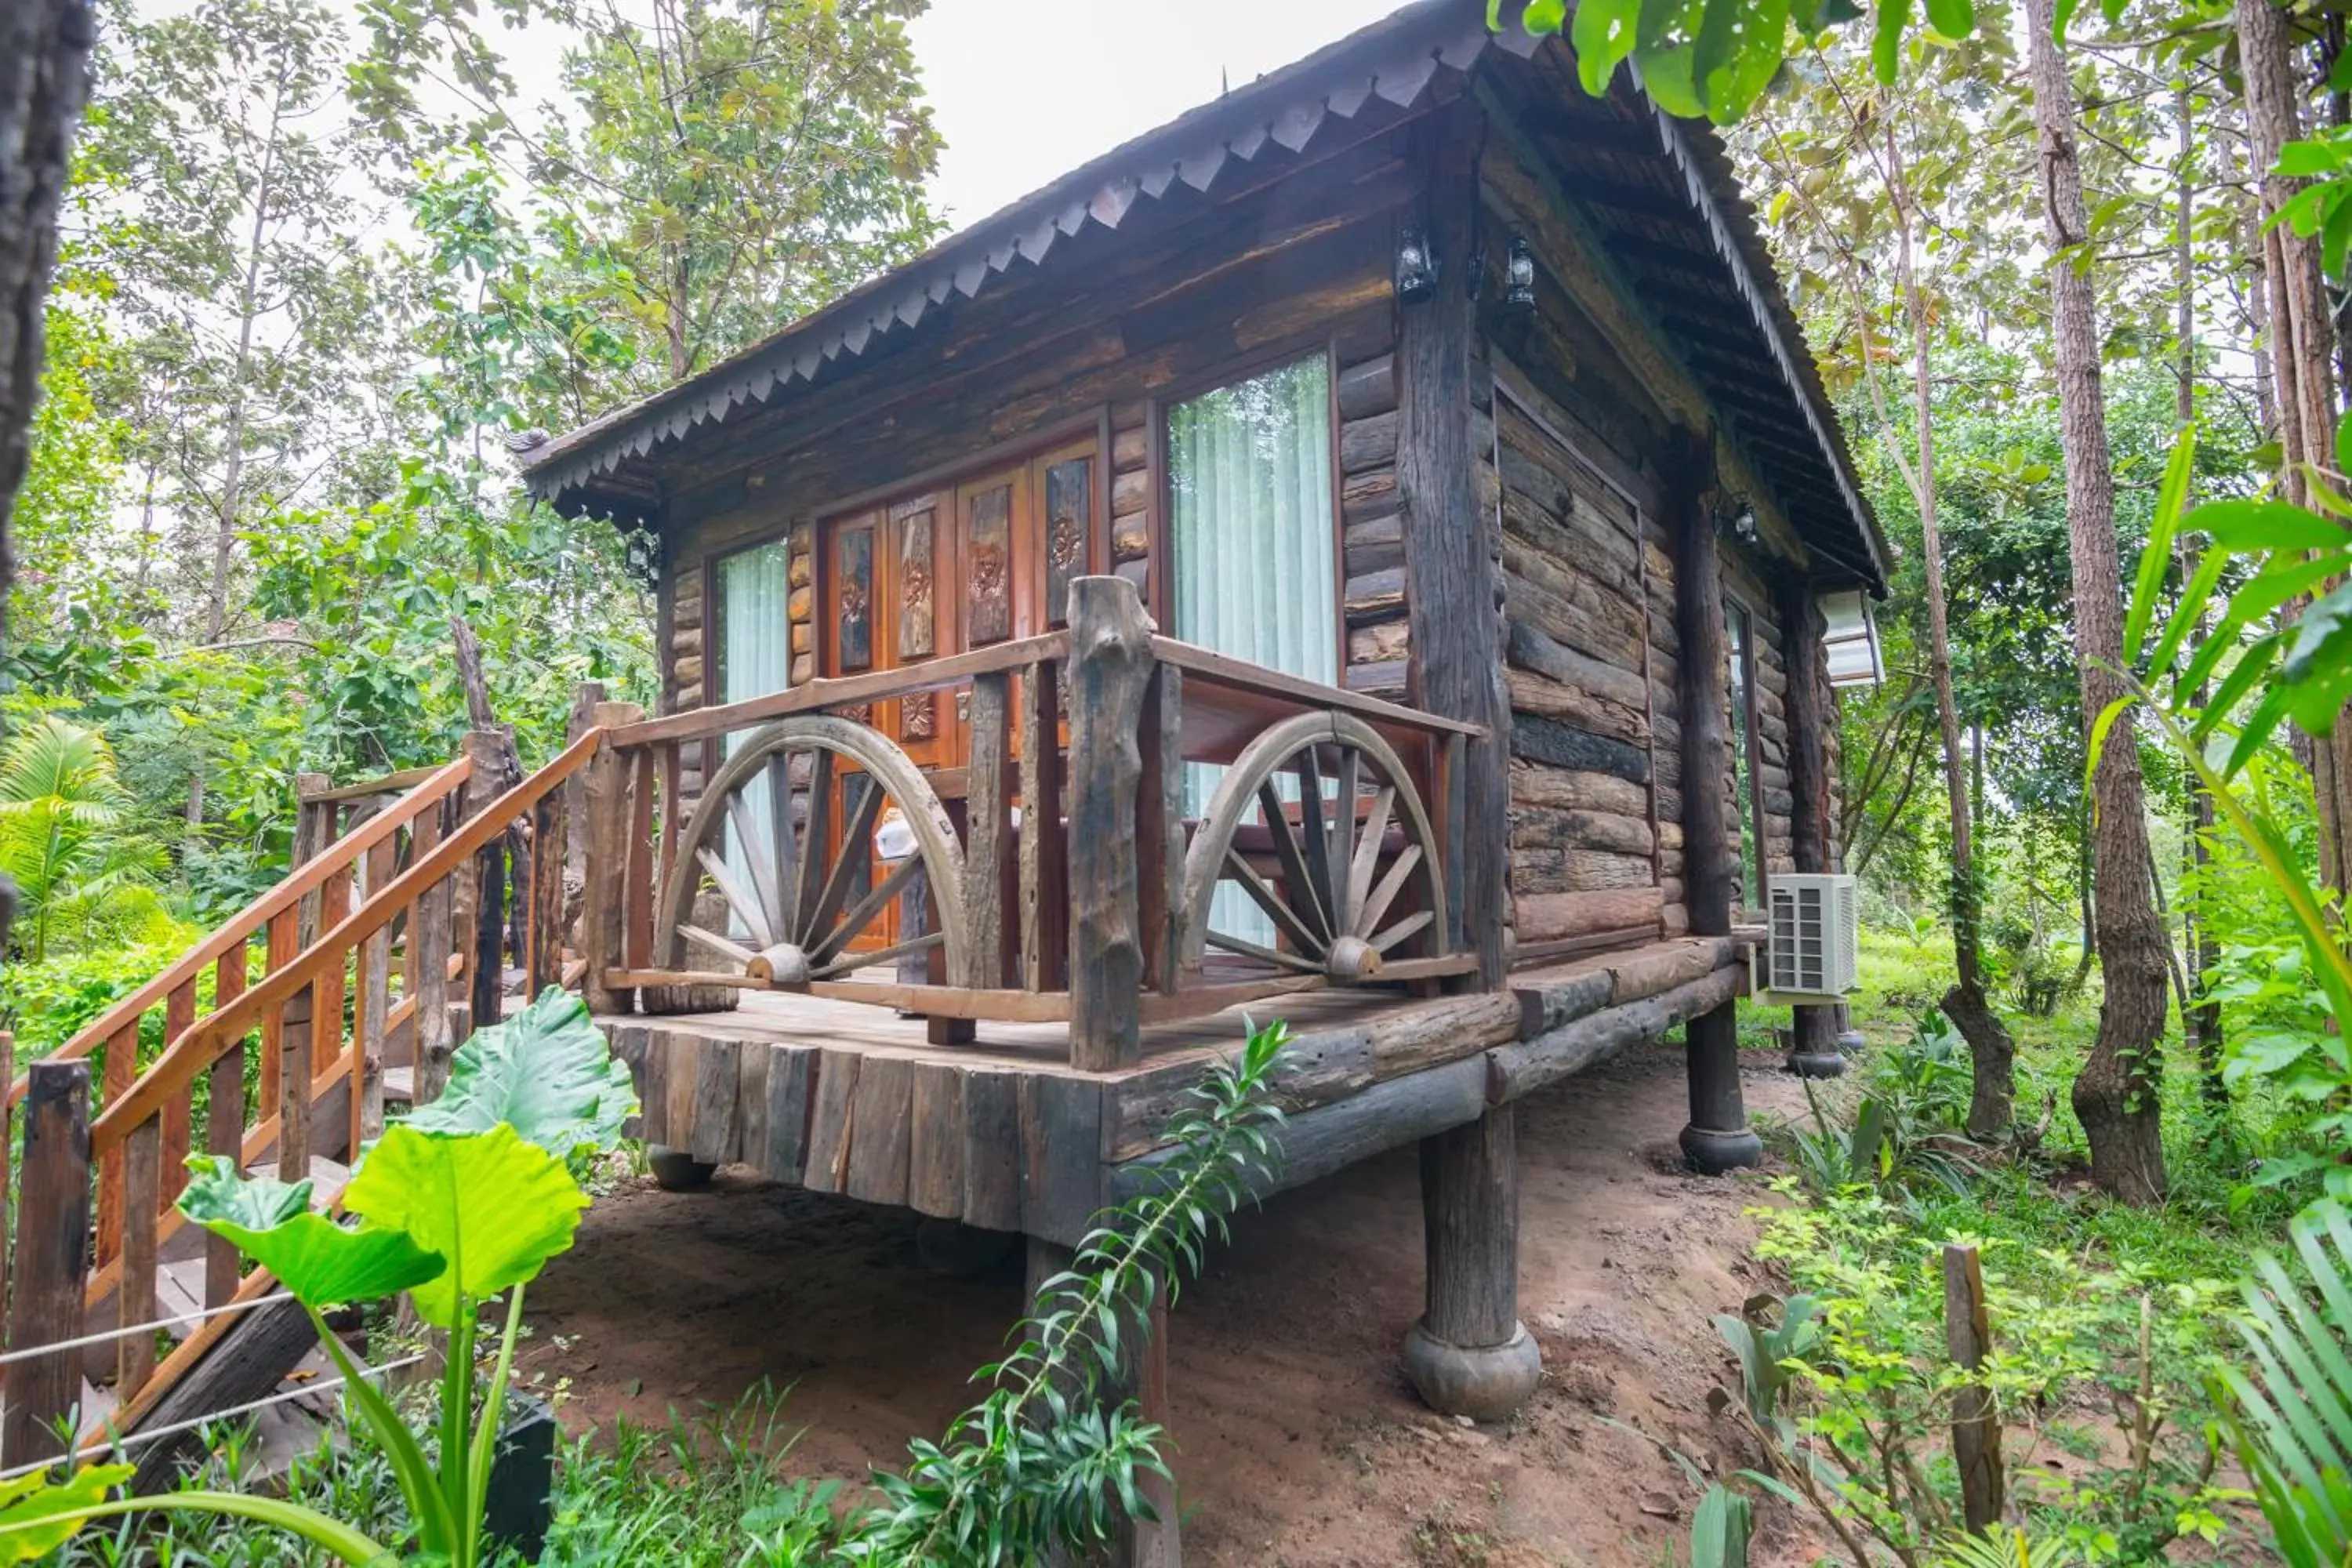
(1813, 941)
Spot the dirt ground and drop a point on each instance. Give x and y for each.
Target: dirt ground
(1298, 1441)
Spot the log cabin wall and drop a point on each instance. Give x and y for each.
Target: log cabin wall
(1290, 269)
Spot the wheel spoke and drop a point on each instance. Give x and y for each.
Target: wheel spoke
(847, 961)
(1279, 912)
(862, 914)
(1295, 874)
(787, 856)
(739, 898)
(816, 843)
(764, 867)
(857, 849)
(1385, 894)
(1313, 835)
(1340, 849)
(1401, 930)
(1367, 859)
(717, 943)
(1266, 954)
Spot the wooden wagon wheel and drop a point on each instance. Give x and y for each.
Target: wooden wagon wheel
(792, 898)
(1333, 895)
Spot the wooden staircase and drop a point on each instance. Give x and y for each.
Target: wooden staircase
(342, 990)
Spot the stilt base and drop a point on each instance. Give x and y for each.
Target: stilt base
(1853, 1042)
(1485, 1383)
(676, 1170)
(1714, 1153)
(1817, 1064)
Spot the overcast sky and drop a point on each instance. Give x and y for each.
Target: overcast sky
(1025, 90)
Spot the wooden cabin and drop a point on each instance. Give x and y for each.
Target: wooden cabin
(1353, 556)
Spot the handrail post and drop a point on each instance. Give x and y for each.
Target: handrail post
(1045, 846)
(52, 1260)
(603, 923)
(1111, 664)
(485, 959)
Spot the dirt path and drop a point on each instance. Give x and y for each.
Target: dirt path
(1300, 1442)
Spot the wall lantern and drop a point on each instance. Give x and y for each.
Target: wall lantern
(1519, 276)
(1416, 267)
(1742, 521)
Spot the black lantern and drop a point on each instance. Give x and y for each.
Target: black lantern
(1519, 276)
(1742, 520)
(1416, 267)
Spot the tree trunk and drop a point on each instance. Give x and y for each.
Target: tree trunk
(2301, 354)
(1992, 1054)
(45, 46)
(2202, 1024)
(2116, 1094)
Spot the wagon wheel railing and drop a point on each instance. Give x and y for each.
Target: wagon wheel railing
(791, 886)
(1353, 849)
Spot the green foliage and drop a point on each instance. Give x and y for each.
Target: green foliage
(2290, 1418)
(65, 837)
(1904, 1134)
(2116, 1348)
(546, 1072)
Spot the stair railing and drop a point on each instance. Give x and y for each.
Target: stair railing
(314, 1024)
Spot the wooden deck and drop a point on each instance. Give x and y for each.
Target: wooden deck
(1005, 1133)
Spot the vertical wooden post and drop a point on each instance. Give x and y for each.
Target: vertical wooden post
(988, 837)
(482, 916)
(294, 1086)
(1453, 553)
(371, 1010)
(1469, 1355)
(120, 1070)
(134, 1295)
(1814, 1052)
(52, 1260)
(310, 837)
(178, 1112)
(225, 1127)
(1717, 1138)
(1045, 847)
(280, 946)
(1975, 1421)
(1111, 669)
(603, 922)
(433, 934)
(1159, 828)
(543, 951)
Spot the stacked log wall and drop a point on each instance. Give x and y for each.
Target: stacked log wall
(1743, 582)
(1378, 638)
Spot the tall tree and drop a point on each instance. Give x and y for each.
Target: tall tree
(218, 213)
(44, 76)
(2118, 1093)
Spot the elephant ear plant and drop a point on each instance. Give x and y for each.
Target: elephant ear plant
(467, 1199)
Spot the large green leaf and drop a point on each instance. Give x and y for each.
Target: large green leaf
(496, 1206)
(37, 1518)
(548, 1073)
(324, 1264)
(2290, 1413)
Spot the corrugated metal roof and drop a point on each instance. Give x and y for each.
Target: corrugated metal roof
(1390, 66)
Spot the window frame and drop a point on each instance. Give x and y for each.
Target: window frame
(1160, 507)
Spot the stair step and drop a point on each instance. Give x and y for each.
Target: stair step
(180, 1295)
(325, 1175)
(399, 1086)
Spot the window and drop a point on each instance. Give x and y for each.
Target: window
(1743, 761)
(1250, 525)
(1249, 502)
(752, 644)
(751, 648)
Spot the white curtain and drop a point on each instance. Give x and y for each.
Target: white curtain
(1249, 484)
(754, 659)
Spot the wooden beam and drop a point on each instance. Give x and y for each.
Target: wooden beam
(52, 1255)
(1454, 605)
(1110, 671)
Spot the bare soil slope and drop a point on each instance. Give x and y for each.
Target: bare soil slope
(1298, 1440)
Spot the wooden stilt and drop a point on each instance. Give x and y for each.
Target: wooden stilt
(1469, 1355)
(1718, 1137)
(1813, 1051)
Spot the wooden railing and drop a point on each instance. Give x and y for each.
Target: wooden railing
(1331, 818)
(398, 919)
